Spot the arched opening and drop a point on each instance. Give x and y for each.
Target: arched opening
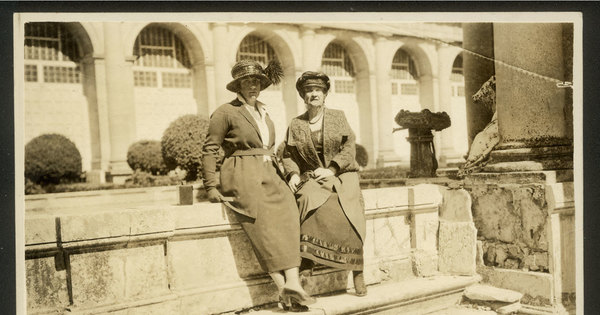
(54, 95)
(338, 65)
(405, 96)
(163, 80)
(257, 48)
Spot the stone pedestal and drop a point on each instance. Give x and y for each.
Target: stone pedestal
(423, 162)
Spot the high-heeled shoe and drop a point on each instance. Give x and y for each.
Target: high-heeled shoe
(301, 298)
(359, 283)
(290, 306)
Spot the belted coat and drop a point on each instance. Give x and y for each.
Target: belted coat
(339, 149)
(233, 128)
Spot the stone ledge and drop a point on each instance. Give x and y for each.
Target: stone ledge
(394, 298)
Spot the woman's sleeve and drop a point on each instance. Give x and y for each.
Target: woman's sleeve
(289, 165)
(217, 129)
(346, 157)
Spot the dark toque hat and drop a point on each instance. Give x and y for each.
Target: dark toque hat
(272, 74)
(312, 78)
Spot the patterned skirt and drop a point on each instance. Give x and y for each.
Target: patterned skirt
(327, 237)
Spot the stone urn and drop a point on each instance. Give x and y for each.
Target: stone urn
(423, 162)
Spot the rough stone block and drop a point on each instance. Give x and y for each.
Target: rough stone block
(150, 220)
(456, 206)
(209, 261)
(167, 307)
(427, 194)
(94, 226)
(457, 248)
(146, 272)
(46, 286)
(536, 285)
(509, 309)
(426, 230)
(391, 197)
(391, 237)
(40, 230)
(199, 214)
(425, 264)
(481, 292)
(98, 277)
(479, 259)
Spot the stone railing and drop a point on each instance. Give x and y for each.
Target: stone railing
(167, 259)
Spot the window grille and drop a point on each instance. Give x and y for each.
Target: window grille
(394, 88)
(157, 50)
(159, 47)
(403, 66)
(50, 41)
(58, 74)
(145, 78)
(176, 80)
(336, 61)
(338, 66)
(55, 49)
(31, 73)
(409, 89)
(255, 48)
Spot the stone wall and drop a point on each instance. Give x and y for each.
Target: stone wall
(168, 259)
(525, 223)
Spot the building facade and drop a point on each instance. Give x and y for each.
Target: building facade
(106, 85)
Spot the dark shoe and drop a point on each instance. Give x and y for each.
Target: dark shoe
(292, 306)
(301, 298)
(359, 283)
(306, 267)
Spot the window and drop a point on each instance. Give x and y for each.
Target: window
(162, 60)
(338, 66)
(255, 48)
(404, 74)
(457, 69)
(53, 47)
(403, 66)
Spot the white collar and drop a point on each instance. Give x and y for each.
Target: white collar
(260, 106)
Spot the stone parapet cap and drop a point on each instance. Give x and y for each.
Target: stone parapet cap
(531, 153)
(522, 177)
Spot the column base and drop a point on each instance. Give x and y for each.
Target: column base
(511, 159)
(118, 172)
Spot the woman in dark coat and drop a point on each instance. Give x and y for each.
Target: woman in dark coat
(251, 183)
(320, 165)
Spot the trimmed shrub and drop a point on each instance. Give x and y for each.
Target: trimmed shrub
(146, 155)
(362, 157)
(182, 143)
(52, 159)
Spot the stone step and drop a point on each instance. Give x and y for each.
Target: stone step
(415, 296)
(502, 301)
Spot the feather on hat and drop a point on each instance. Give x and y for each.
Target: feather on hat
(272, 74)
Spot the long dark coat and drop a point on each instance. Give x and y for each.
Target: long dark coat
(233, 128)
(339, 148)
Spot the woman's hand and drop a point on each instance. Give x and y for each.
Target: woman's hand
(322, 173)
(214, 195)
(293, 182)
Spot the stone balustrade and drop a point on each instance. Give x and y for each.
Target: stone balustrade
(168, 259)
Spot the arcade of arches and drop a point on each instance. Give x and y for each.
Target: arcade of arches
(106, 85)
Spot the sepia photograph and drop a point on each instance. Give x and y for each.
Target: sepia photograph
(313, 163)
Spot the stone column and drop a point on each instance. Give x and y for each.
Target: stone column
(532, 121)
(445, 62)
(310, 60)
(385, 117)
(222, 68)
(120, 101)
(478, 38)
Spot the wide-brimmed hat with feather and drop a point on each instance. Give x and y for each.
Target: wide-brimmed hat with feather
(272, 74)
